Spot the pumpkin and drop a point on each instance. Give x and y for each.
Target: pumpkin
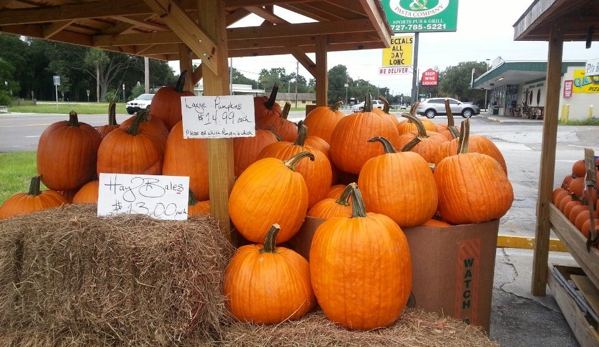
(577, 186)
(399, 185)
(67, 153)
(361, 268)
(131, 151)
(436, 223)
(112, 124)
(321, 121)
(187, 157)
(336, 191)
(427, 144)
(579, 168)
(281, 126)
(385, 111)
(246, 149)
(333, 207)
(473, 187)
(147, 124)
(197, 207)
(32, 201)
(349, 143)
(88, 194)
(265, 284)
(317, 173)
(266, 108)
(408, 125)
(449, 130)
(166, 104)
(269, 191)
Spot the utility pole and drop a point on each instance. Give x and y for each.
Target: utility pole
(147, 75)
(415, 97)
(296, 75)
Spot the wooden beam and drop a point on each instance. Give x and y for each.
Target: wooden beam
(547, 170)
(189, 32)
(220, 151)
(4, 3)
(322, 80)
(292, 30)
(380, 23)
(55, 27)
(197, 75)
(303, 59)
(140, 22)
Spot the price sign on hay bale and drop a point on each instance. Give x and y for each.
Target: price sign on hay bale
(214, 117)
(161, 197)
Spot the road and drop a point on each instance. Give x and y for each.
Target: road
(520, 144)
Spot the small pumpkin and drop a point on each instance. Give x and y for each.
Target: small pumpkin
(322, 120)
(112, 123)
(197, 207)
(266, 108)
(333, 207)
(473, 187)
(67, 152)
(147, 124)
(361, 268)
(88, 194)
(385, 111)
(166, 104)
(408, 125)
(32, 201)
(265, 284)
(131, 151)
(426, 143)
(449, 130)
(283, 127)
(270, 191)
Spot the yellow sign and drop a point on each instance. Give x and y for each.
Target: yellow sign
(400, 52)
(585, 84)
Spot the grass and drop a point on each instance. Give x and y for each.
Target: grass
(590, 121)
(63, 107)
(15, 175)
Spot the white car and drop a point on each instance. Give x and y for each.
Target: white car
(142, 102)
(360, 106)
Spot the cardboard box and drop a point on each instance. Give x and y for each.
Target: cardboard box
(453, 267)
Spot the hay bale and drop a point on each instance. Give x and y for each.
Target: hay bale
(415, 328)
(72, 278)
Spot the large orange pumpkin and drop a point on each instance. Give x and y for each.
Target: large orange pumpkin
(426, 143)
(408, 125)
(246, 149)
(147, 123)
(67, 153)
(266, 284)
(266, 108)
(281, 126)
(269, 191)
(400, 185)
(112, 124)
(187, 157)
(166, 104)
(449, 130)
(361, 268)
(317, 173)
(333, 207)
(385, 111)
(322, 120)
(473, 187)
(32, 201)
(349, 143)
(131, 151)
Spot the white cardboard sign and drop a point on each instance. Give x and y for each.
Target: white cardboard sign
(161, 197)
(592, 67)
(214, 117)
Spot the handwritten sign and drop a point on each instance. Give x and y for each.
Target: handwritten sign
(161, 197)
(223, 116)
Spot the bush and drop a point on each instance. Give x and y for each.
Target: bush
(5, 98)
(112, 96)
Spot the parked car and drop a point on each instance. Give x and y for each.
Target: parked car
(360, 106)
(434, 106)
(142, 102)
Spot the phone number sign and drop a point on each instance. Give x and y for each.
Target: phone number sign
(409, 16)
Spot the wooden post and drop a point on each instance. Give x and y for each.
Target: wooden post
(220, 151)
(547, 170)
(185, 63)
(322, 79)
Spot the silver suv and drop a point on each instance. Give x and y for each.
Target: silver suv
(375, 104)
(142, 102)
(434, 106)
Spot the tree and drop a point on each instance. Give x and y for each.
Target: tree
(455, 81)
(338, 80)
(7, 85)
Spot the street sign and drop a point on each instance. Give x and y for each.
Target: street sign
(430, 77)
(56, 80)
(410, 16)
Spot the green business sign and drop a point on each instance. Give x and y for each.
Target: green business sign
(409, 16)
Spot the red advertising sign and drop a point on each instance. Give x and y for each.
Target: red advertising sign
(430, 77)
(568, 88)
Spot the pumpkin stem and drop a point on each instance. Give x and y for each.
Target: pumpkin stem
(181, 82)
(112, 114)
(273, 97)
(73, 120)
(368, 103)
(345, 195)
(286, 109)
(385, 104)
(358, 208)
(335, 107)
(191, 200)
(455, 132)
(387, 146)
(421, 129)
(271, 237)
(464, 135)
(292, 162)
(414, 107)
(302, 133)
(134, 128)
(413, 142)
(34, 186)
(450, 121)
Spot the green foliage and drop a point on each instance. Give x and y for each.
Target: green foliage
(589, 121)
(112, 96)
(454, 81)
(137, 91)
(17, 170)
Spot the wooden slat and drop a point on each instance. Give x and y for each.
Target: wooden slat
(322, 80)
(547, 170)
(588, 290)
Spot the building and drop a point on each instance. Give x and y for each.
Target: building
(518, 88)
(236, 89)
(299, 99)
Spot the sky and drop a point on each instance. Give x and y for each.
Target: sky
(484, 32)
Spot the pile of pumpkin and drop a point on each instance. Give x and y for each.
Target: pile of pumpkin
(367, 174)
(577, 200)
